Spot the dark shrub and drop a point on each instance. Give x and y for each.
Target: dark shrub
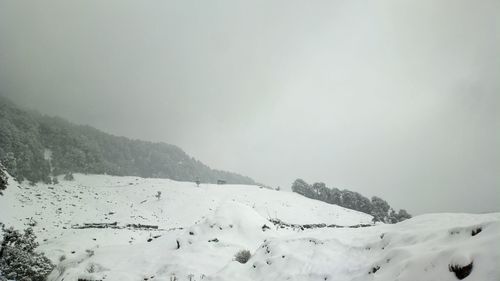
(242, 256)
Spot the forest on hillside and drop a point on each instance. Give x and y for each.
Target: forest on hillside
(37, 147)
(377, 207)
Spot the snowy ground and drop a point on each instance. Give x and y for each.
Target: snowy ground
(202, 228)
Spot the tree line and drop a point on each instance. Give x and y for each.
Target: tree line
(37, 147)
(377, 207)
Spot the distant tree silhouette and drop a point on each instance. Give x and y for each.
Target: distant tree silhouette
(377, 207)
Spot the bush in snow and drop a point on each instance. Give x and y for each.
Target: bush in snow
(18, 259)
(242, 256)
(158, 195)
(69, 177)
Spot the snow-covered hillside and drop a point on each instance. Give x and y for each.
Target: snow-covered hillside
(200, 229)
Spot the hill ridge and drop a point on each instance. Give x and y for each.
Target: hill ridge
(28, 138)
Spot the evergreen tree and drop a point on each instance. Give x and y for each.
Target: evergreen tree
(301, 187)
(380, 209)
(319, 190)
(18, 258)
(334, 196)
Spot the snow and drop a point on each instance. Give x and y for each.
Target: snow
(202, 228)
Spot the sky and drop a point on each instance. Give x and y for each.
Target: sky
(393, 98)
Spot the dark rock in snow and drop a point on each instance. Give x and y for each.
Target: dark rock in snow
(476, 231)
(374, 269)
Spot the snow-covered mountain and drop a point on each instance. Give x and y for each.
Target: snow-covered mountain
(101, 227)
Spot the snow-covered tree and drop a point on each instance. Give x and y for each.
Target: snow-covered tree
(301, 187)
(403, 215)
(377, 207)
(319, 189)
(334, 196)
(363, 204)
(18, 258)
(399, 216)
(380, 210)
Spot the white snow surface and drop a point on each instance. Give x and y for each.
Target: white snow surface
(202, 228)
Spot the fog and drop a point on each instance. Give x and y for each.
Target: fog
(392, 98)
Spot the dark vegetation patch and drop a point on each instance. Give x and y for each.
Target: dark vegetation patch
(461, 271)
(242, 256)
(476, 231)
(3, 179)
(374, 269)
(115, 225)
(281, 224)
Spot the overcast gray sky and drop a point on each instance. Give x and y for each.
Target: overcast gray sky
(392, 98)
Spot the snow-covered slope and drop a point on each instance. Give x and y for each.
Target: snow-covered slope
(100, 198)
(202, 228)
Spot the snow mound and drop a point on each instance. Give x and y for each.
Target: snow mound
(199, 250)
(299, 259)
(435, 251)
(233, 224)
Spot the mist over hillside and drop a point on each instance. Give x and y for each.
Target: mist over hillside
(37, 147)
